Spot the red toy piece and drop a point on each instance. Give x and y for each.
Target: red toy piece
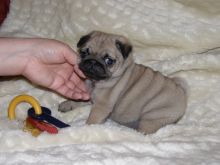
(43, 126)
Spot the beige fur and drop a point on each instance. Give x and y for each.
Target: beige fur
(133, 95)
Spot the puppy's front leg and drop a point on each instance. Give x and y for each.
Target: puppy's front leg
(98, 114)
(70, 105)
(104, 100)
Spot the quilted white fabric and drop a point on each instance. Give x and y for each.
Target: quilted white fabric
(177, 37)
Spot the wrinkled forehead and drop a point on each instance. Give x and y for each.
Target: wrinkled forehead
(102, 43)
(103, 40)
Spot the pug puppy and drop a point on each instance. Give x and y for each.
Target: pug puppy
(130, 94)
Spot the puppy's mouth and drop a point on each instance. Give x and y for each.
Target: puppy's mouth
(93, 69)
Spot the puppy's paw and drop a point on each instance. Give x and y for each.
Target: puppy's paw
(95, 119)
(66, 106)
(71, 105)
(90, 122)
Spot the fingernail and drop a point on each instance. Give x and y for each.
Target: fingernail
(77, 96)
(87, 97)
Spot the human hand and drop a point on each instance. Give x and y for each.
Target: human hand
(53, 65)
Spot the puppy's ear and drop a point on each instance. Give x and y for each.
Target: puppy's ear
(125, 49)
(83, 40)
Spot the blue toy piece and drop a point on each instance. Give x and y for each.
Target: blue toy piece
(46, 116)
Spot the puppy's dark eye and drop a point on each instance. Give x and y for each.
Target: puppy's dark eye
(109, 61)
(84, 52)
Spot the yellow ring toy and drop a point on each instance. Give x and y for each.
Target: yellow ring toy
(23, 98)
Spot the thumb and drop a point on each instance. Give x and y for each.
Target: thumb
(72, 58)
(78, 71)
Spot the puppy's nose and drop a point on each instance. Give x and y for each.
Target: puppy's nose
(89, 64)
(93, 69)
(93, 62)
(92, 66)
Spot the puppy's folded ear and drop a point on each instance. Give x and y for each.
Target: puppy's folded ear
(124, 48)
(83, 40)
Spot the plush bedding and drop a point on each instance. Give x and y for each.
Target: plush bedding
(180, 38)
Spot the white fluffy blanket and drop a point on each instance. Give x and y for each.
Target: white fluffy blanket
(176, 37)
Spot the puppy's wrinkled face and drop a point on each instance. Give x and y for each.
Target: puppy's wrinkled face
(102, 55)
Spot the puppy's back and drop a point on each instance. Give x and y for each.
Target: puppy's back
(144, 91)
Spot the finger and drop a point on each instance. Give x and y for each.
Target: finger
(69, 93)
(71, 85)
(85, 96)
(78, 71)
(74, 95)
(77, 96)
(63, 90)
(71, 56)
(74, 87)
(80, 95)
(78, 82)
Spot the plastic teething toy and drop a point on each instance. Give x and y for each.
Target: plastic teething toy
(39, 118)
(46, 116)
(23, 98)
(30, 128)
(42, 125)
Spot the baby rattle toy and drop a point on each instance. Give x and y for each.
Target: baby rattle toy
(39, 118)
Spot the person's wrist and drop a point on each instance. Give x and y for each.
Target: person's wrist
(14, 53)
